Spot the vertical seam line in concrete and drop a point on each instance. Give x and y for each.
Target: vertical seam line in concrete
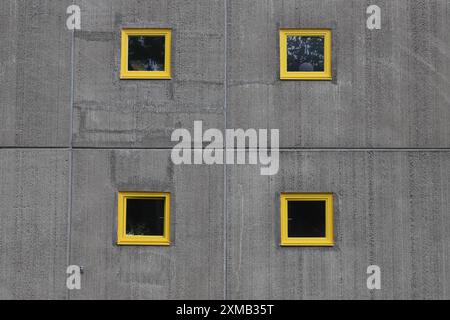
(225, 211)
(70, 165)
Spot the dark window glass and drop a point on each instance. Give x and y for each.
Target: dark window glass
(305, 53)
(306, 218)
(145, 217)
(146, 53)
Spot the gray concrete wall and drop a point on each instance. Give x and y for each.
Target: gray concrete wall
(135, 113)
(72, 135)
(192, 267)
(391, 209)
(35, 73)
(389, 86)
(33, 224)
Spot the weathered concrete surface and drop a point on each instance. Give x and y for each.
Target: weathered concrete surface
(33, 224)
(34, 73)
(191, 268)
(392, 209)
(389, 88)
(143, 113)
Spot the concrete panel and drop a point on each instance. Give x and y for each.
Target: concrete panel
(392, 209)
(143, 113)
(389, 86)
(35, 69)
(191, 268)
(33, 224)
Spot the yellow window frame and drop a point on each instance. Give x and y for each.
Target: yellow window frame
(305, 75)
(127, 74)
(123, 238)
(328, 240)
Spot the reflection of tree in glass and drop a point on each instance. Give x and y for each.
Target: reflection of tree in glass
(146, 53)
(145, 217)
(305, 53)
(138, 230)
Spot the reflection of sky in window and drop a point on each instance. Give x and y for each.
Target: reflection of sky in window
(305, 53)
(146, 53)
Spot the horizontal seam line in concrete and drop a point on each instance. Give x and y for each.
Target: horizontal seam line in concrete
(279, 149)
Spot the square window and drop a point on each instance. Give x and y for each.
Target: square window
(145, 54)
(306, 219)
(305, 54)
(143, 218)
